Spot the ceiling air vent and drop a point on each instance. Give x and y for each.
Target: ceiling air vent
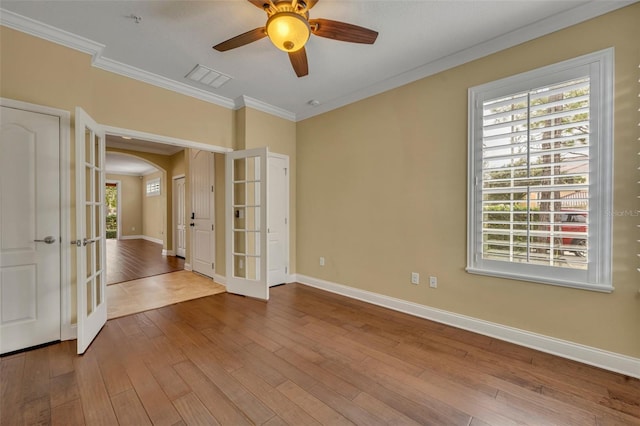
(207, 76)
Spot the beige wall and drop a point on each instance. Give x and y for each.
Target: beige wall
(130, 219)
(154, 208)
(68, 80)
(382, 193)
(220, 204)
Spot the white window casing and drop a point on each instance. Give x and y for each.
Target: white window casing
(153, 187)
(540, 172)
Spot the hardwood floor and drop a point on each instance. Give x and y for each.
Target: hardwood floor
(133, 259)
(306, 357)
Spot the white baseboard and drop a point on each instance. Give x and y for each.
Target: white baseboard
(153, 240)
(588, 355)
(292, 278)
(168, 252)
(220, 279)
(188, 267)
(131, 237)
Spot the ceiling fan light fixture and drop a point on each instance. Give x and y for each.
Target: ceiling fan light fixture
(288, 31)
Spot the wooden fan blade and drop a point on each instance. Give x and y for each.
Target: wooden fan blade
(342, 31)
(242, 39)
(299, 62)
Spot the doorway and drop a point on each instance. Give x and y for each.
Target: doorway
(112, 199)
(138, 206)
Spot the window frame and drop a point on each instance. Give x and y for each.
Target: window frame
(598, 275)
(150, 183)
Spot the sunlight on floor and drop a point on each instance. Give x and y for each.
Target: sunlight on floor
(155, 292)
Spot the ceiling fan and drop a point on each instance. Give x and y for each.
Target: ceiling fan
(289, 27)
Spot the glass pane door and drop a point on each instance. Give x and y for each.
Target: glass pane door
(246, 176)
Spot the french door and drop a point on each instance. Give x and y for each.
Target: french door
(246, 217)
(90, 229)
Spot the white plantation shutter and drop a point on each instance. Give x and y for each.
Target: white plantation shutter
(540, 174)
(535, 181)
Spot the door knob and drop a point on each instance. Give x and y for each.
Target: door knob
(47, 240)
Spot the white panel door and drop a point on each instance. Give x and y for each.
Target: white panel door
(180, 216)
(277, 219)
(90, 229)
(246, 179)
(202, 214)
(30, 229)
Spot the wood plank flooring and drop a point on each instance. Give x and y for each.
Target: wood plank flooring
(133, 259)
(306, 357)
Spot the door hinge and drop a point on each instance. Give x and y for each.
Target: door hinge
(212, 227)
(211, 188)
(285, 220)
(213, 265)
(285, 171)
(286, 270)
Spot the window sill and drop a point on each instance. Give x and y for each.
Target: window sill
(601, 288)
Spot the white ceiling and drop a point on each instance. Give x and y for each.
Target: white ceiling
(124, 164)
(417, 38)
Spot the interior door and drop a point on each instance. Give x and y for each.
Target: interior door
(203, 213)
(90, 228)
(180, 217)
(246, 218)
(277, 219)
(30, 229)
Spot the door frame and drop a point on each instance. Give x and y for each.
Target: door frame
(287, 207)
(174, 249)
(67, 330)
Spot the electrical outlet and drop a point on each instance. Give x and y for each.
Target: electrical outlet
(415, 278)
(433, 282)
(321, 261)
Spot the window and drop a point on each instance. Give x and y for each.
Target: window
(153, 187)
(540, 174)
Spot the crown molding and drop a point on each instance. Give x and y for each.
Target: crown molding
(557, 22)
(160, 81)
(39, 29)
(246, 101)
(55, 35)
(530, 32)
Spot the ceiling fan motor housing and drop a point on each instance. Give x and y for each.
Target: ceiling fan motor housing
(288, 28)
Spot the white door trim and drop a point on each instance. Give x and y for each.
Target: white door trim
(174, 212)
(67, 330)
(168, 140)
